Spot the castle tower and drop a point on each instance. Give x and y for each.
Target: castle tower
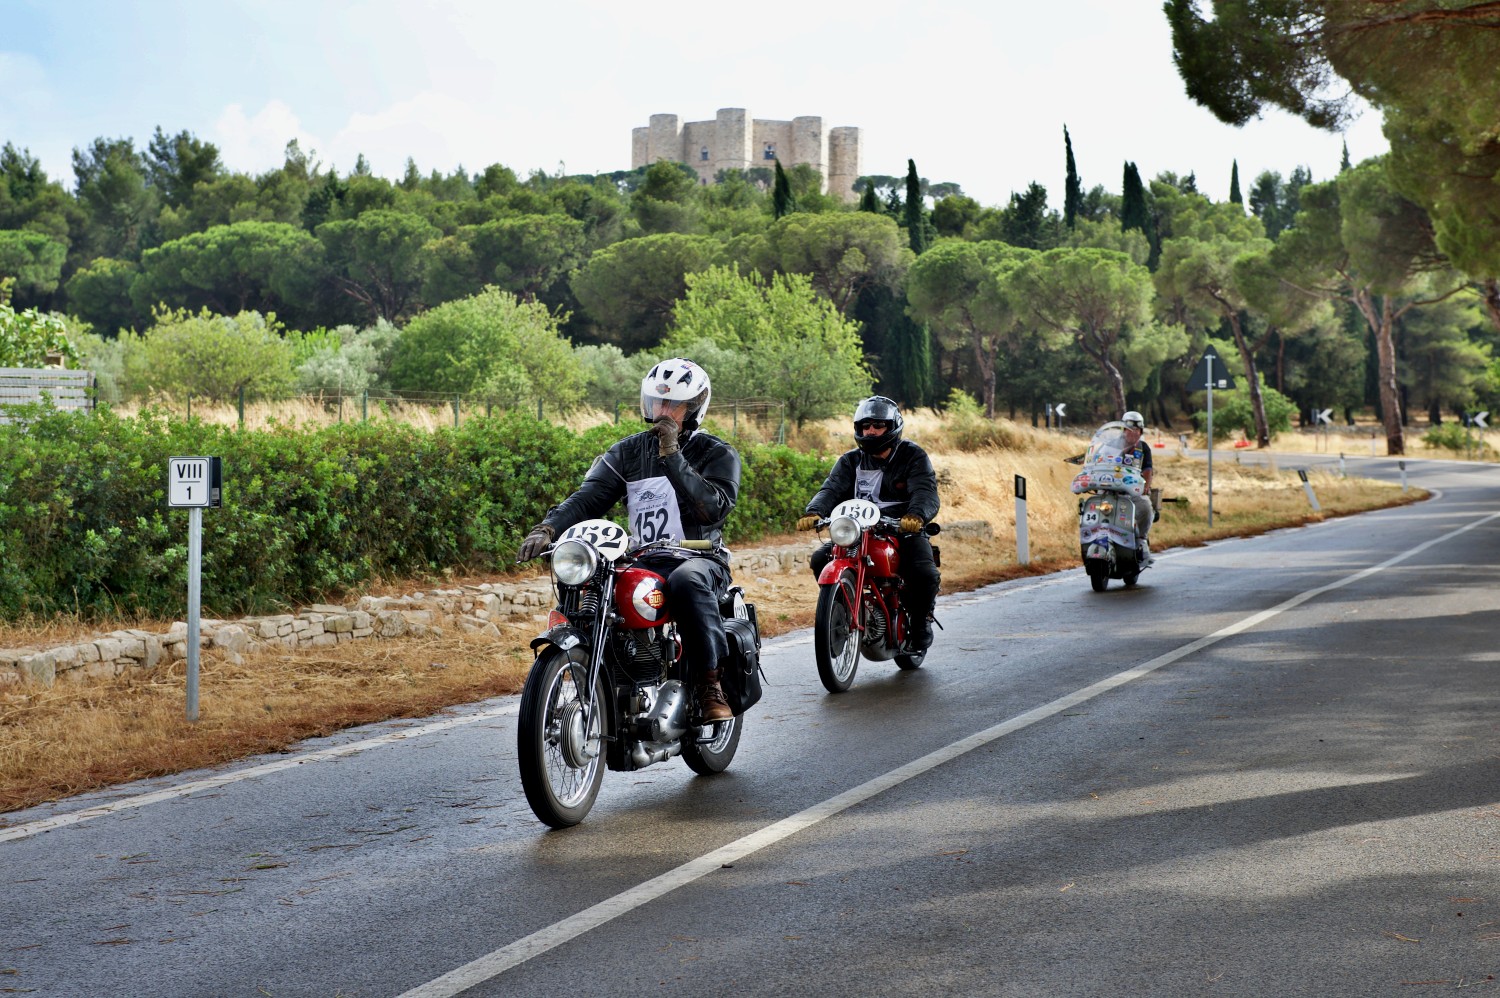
(730, 149)
(843, 162)
(664, 140)
(640, 148)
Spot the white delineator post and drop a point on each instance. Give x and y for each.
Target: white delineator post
(1023, 543)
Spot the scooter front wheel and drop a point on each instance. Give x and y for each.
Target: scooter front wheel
(835, 640)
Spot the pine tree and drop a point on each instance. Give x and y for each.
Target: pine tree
(915, 217)
(893, 205)
(1133, 212)
(867, 201)
(782, 202)
(1234, 185)
(1073, 193)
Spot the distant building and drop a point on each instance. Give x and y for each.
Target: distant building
(735, 141)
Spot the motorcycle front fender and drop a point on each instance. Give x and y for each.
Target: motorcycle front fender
(835, 568)
(564, 636)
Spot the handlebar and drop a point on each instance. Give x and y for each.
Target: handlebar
(893, 524)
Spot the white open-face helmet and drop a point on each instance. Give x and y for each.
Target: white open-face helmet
(676, 380)
(1134, 420)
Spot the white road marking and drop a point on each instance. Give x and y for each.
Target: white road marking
(213, 782)
(497, 962)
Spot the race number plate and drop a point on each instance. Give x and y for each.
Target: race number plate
(861, 511)
(609, 539)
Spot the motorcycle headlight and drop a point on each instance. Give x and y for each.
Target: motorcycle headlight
(573, 563)
(843, 531)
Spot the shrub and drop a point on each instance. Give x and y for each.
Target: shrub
(1457, 438)
(215, 356)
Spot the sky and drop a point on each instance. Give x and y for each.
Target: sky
(975, 92)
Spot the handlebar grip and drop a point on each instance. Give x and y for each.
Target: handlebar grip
(696, 545)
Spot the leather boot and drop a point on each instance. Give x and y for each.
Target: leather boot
(712, 706)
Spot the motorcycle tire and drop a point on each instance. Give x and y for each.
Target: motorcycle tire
(712, 757)
(835, 640)
(560, 777)
(1098, 574)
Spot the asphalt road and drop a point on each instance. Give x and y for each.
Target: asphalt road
(1269, 769)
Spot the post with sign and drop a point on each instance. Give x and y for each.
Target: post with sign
(1307, 487)
(1057, 410)
(1023, 542)
(1206, 378)
(193, 483)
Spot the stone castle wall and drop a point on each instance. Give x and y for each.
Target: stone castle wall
(735, 141)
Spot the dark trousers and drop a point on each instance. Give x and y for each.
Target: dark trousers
(918, 570)
(693, 590)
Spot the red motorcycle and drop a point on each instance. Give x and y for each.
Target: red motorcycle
(860, 611)
(610, 688)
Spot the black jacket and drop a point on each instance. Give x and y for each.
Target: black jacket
(705, 474)
(909, 484)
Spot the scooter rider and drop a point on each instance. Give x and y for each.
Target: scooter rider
(679, 482)
(1137, 454)
(897, 475)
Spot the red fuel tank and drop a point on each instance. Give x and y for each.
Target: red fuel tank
(641, 598)
(885, 557)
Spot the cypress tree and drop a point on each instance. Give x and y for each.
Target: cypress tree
(1073, 194)
(867, 200)
(1344, 163)
(782, 202)
(1133, 214)
(1234, 185)
(915, 218)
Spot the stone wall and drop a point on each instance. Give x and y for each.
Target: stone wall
(469, 608)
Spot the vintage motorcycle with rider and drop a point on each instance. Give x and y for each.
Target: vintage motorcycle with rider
(861, 611)
(610, 686)
(651, 652)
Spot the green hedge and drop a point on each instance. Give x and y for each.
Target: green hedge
(84, 526)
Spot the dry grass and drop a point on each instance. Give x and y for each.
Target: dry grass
(75, 737)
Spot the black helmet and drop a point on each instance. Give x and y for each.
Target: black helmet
(877, 408)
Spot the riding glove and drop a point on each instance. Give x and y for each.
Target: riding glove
(911, 524)
(807, 522)
(535, 543)
(666, 436)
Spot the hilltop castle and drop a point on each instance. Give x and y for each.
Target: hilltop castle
(735, 141)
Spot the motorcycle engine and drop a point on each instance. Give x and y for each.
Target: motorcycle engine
(641, 658)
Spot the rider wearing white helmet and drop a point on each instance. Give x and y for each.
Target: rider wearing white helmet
(1138, 454)
(677, 482)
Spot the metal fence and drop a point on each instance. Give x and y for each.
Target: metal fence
(25, 385)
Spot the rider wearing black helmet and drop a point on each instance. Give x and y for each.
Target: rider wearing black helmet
(897, 475)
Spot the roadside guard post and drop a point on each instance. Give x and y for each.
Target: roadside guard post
(1307, 487)
(193, 483)
(1403, 475)
(1023, 543)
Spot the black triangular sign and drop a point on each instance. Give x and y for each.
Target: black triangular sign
(1223, 380)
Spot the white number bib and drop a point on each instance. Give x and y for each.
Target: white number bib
(867, 486)
(651, 505)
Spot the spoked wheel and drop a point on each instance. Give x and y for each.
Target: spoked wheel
(834, 636)
(712, 756)
(1098, 570)
(561, 755)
